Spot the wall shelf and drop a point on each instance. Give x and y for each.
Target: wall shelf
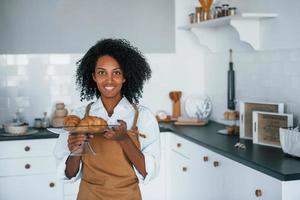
(247, 25)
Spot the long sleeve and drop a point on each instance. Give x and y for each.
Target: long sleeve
(150, 146)
(61, 153)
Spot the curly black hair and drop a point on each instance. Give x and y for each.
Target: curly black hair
(135, 68)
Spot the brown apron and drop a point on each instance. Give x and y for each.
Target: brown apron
(109, 175)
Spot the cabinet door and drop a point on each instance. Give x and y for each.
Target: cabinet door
(35, 187)
(156, 188)
(179, 177)
(242, 182)
(207, 174)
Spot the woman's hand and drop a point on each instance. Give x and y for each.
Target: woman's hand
(76, 140)
(117, 133)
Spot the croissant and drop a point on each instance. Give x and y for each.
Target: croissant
(91, 124)
(71, 120)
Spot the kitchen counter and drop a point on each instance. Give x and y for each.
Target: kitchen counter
(269, 160)
(41, 134)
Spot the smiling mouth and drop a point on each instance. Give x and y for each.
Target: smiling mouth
(109, 88)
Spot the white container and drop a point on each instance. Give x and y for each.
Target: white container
(290, 141)
(15, 129)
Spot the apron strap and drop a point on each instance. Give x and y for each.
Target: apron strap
(87, 109)
(134, 127)
(136, 115)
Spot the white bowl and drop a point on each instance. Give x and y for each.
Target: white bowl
(290, 141)
(15, 129)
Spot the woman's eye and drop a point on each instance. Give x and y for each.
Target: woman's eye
(101, 72)
(117, 73)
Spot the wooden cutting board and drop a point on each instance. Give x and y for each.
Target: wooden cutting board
(191, 122)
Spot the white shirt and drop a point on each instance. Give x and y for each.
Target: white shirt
(147, 125)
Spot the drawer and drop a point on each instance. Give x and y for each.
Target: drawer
(183, 146)
(27, 166)
(27, 148)
(71, 188)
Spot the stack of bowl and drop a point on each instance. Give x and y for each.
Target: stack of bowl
(59, 114)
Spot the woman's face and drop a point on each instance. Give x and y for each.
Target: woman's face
(109, 77)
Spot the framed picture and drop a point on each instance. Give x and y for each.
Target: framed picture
(246, 110)
(266, 127)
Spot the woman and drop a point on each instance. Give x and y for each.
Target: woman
(114, 72)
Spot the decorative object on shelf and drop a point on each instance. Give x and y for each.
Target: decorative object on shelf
(231, 11)
(206, 4)
(247, 25)
(225, 10)
(266, 127)
(59, 114)
(290, 141)
(246, 109)
(198, 106)
(175, 97)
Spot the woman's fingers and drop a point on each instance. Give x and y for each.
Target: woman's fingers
(75, 141)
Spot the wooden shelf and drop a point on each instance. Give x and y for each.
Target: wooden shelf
(246, 24)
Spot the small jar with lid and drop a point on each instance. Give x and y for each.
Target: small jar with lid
(225, 10)
(232, 11)
(192, 18)
(218, 12)
(38, 123)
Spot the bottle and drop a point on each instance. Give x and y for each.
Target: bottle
(45, 121)
(230, 84)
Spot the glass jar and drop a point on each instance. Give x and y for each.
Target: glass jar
(38, 123)
(218, 12)
(45, 121)
(225, 10)
(232, 11)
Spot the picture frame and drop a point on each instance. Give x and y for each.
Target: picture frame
(266, 126)
(246, 111)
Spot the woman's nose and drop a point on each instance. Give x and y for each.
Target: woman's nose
(109, 78)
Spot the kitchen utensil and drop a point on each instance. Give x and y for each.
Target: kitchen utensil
(230, 84)
(206, 4)
(175, 97)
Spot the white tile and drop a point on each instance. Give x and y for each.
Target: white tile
(59, 59)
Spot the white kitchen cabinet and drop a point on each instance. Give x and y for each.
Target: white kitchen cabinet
(33, 187)
(242, 182)
(210, 176)
(28, 170)
(156, 188)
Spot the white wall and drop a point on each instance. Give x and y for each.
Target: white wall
(270, 75)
